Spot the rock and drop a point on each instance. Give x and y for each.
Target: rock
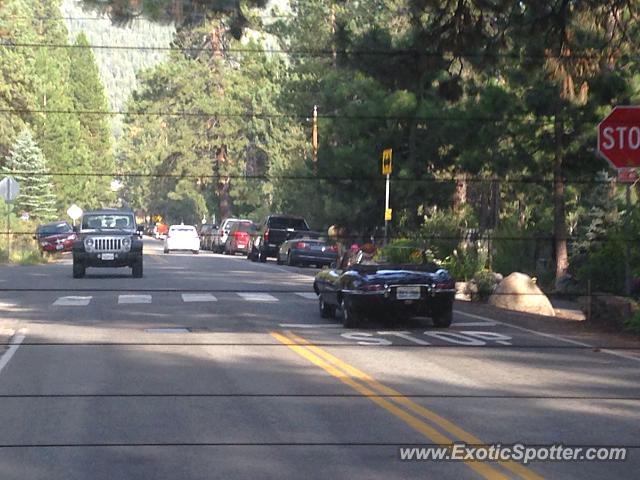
(519, 292)
(462, 292)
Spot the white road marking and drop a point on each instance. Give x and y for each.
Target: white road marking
(72, 301)
(257, 297)
(198, 297)
(134, 299)
(473, 324)
(307, 295)
(549, 335)
(310, 325)
(168, 330)
(14, 343)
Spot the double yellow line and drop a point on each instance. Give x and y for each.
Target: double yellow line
(400, 406)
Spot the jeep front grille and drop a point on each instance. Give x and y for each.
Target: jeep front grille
(108, 244)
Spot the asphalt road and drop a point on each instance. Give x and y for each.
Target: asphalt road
(216, 367)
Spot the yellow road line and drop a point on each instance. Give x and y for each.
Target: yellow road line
(431, 433)
(445, 424)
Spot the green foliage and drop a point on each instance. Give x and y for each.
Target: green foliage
(464, 263)
(404, 250)
(36, 191)
(603, 265)
(485, 284)
(633, 324)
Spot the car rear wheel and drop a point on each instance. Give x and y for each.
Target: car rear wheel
(278, 260)
(350, 318)
(443, 319)
(195, 252)
(136, 269)
(166, 250)
(78, 269)
(326, 310)
(290, 261)
(262, 257)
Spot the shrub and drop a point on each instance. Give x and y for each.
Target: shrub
(463, 264)
(633, 324)
(404, 250)
(486, 283)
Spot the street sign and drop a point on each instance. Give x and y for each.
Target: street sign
(387, 214)
(627, 175)
(74, 212)
(9, 189)
(387, 155)
(619, 137)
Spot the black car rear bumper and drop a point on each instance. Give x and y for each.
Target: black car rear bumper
(121, 259)
(384, 303)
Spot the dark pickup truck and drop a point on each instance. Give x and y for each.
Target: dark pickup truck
(272, 232)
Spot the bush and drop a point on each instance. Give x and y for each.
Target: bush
(463, 264)
(604, 266)
(633, 324)
(486, 283)
(404, 250)
(441, 232)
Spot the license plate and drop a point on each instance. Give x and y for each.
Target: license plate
(108, 256)
(241, 245)
(59, 247)
(408, 293)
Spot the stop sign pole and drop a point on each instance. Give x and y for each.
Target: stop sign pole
(619, 144)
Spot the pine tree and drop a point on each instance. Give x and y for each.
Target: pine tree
(27, 165)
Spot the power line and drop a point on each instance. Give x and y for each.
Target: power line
(264, 115)
(311, 52)
(331, 178)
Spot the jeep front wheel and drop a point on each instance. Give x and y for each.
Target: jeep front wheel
(78, 269)
(136, 270)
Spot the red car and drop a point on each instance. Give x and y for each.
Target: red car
(55, 237)
(239, 238)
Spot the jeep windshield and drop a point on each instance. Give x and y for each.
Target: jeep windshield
(110, 221)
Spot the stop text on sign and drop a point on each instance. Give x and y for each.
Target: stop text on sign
(620, 137)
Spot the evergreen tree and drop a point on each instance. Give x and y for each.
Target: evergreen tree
(88, 95)
(27, 165)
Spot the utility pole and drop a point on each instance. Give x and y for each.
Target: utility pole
(314, 139)
(387, 156)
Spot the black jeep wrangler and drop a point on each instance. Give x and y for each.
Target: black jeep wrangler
(107, 238)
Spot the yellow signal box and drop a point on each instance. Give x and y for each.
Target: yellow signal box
(387, 214)
(387, 155)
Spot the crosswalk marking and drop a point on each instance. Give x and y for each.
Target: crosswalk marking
(307, 295)
(257, 297)
(134, 299)
(72, 301)
(83, 301)
(198, 297)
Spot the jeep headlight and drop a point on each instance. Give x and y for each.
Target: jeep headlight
(88, 244)
(126, 244)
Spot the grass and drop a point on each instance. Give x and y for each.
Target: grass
(24, 251)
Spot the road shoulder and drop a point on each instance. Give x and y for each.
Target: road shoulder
(581, 330)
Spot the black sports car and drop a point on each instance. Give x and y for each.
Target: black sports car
(393, 292)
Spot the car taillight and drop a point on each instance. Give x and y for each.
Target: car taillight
(266, 235)
(332, 248)
(302, 245)
(372, 288)
(445, 285)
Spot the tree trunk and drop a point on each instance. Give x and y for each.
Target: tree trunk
(559, 220)
(460, 193)
(223, 185)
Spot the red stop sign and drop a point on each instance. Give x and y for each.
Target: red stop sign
(619, 137)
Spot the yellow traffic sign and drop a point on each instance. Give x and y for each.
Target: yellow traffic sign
(387, 214)
(387, 155)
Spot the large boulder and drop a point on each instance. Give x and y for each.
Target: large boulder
(519, 292)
